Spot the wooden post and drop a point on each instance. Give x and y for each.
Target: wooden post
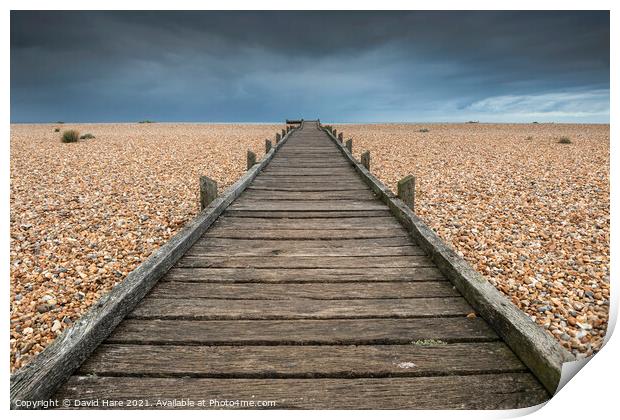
(251, 158)
(366, 159)
(340, 137)
(208, 191)
(406, 190)
(277, 138)
(283, 133)
(267, 146)
(334, 132)
(349, 145)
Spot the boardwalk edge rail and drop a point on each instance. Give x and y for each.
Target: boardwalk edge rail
(39, 379)
(542, 354)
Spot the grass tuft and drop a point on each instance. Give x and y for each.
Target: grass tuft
(70, 136)
(565, 140)
(424, 130)
(56, 130)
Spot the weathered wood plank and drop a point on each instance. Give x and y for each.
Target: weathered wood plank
(302, 332)
(266, 248)
(274, 181)
(310, 163)
(312, 205)
(307, 195)
(308, 188)
(302, 361)
(313, 172)
(283, 261)
(302, 275)
(278, 234)
(272, 248)
(496, 391)
(305, 214)
(309, 223)
(213, 309)
(242, 245)
(321, 291)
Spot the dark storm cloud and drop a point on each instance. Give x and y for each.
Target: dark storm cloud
(264, 66)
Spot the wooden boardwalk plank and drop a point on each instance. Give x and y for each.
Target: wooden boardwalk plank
(322, 182)
(310, 223)
(302, 361)
(309, 187)
(213, 309)
(283, 261)
(289, 171)
(287, 234)
(302, 332)
(321, 291)
(495, 391)
(301, 248)
(302, 275)
(309, 195)
(276, 214)
(293, 245)
(310, 205)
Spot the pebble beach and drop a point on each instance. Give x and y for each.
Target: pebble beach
(85, 214)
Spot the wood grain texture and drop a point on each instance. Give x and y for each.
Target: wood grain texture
(302, 332)
(496, 391)
(277, 214)
(301, 275)
(287, 234)
(302, 361)
(310, 223)
(321, 291)
(301, 248)
(212, 309)
(356, 195)
(283, 261)
(301, 245)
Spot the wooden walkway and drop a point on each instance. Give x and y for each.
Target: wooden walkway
(309, 293)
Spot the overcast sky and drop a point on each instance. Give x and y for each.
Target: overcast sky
(339, 66)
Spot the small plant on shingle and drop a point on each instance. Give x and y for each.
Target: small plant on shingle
(70, 136)
(87, 136)
(529, 138)
(423, 130)
(565, 140)
(146, 122)
(56, 130)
